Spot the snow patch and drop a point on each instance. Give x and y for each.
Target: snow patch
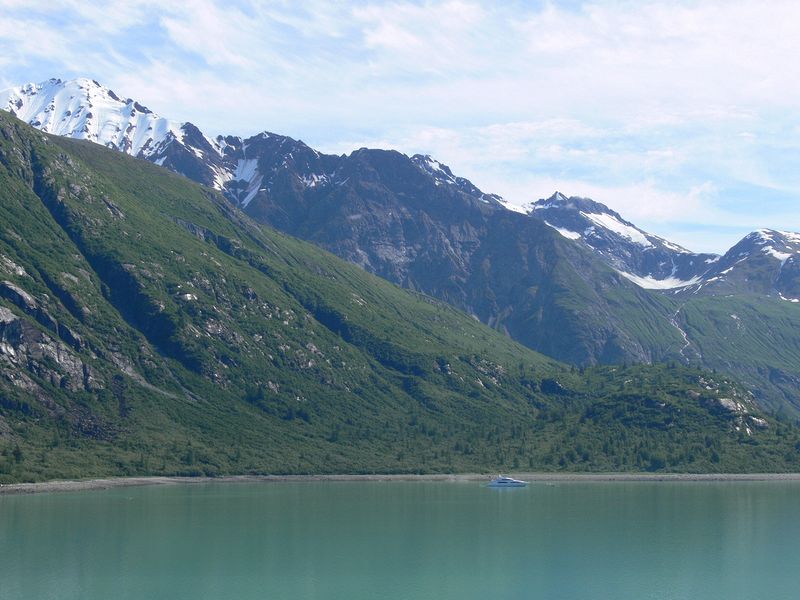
(247, 171)
(675, 247)
(555, 201)
(781, 256)
(611, 223)
(770, 235)
(524, 209)
(791, 236)
(441, 173)
(313, 180)
(251, 192)
(652, 283)
(221, 176)
(572, 235)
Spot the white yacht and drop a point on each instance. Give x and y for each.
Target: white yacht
(501, 481)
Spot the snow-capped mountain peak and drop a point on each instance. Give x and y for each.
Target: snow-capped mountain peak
(557, 200)
(87, 110)
(84, 109)
(781, 245)
(440, 172)
(644, 258)
(765, 261)
(583, 218)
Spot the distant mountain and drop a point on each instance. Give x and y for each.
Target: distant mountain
(765, 262)
(646, 259)
(149, 327)
(571, 278)
(737, 313)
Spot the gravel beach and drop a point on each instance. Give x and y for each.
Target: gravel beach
(113, 482)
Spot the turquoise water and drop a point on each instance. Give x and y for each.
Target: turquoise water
(387, 540)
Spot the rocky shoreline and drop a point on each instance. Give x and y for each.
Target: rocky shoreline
(114, 482)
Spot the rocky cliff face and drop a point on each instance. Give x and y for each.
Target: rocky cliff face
(25, 348)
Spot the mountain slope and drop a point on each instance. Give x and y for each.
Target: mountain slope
(573, 279)
(456, 243)
(146, 326)
(754, 337)
(412, 221)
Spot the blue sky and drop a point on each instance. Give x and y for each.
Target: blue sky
(683, 116)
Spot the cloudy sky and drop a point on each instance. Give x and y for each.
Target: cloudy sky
(683, 116)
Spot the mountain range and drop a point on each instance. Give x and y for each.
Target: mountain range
(283, 182)
(148, 326)
(124, 284)
(565, 276)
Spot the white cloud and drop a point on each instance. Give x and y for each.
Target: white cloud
(428, 37)
(222, 35)
(638, 103)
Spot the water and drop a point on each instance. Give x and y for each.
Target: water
(387, 540)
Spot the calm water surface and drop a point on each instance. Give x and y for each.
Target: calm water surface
(392, 540)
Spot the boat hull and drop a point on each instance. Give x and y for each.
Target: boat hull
(503, 481)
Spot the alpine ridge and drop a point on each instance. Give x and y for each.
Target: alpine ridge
(646, 259)
(271, 165)
(765, 262)
(569, 277)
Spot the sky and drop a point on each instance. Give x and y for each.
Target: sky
(682, 116)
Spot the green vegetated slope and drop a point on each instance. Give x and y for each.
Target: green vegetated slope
(754, 337)
(147, 327)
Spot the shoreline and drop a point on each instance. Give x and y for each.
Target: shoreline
(76, 485)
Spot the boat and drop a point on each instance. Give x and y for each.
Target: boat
(501, 481)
